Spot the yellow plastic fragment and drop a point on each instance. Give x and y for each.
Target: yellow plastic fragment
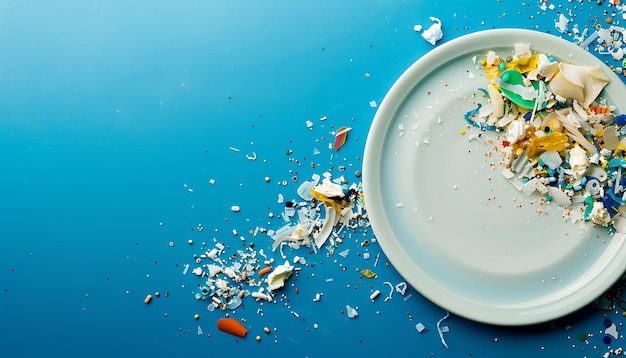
(556, 141)
(521, 65)
(368, 273)
(325, 200)
(620, 148)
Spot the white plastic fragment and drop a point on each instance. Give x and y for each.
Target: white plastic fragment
(619, 223)
(235, 208)
(420, 327)
(390, 291)
(434, 32)
(261, 296)
(618, 54)
(213, 270)
(373, 104)
(612, 331)
(600, 214)
(304, 191)
(327, 227)
(200, 331)
(374, 295)
(185, 268)
(440, 330)
(401, 288)
(529, 187)
(197, 271)
(251, 156)
(417, 28)
(551, 158)
(276, 279)
(507, 173)
(522, 50)
(344, 253)
(561, 23)
(559, 196)
(352, 312)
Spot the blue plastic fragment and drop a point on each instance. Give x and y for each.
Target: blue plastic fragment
(617, 162)
(468, 118)
(620, 120)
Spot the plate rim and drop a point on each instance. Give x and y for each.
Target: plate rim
(425, 285)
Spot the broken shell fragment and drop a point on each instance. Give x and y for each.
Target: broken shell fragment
(581, 83)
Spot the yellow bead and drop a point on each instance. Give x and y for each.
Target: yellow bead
(258, 338)
(196, 316)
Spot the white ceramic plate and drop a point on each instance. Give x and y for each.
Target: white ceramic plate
(450, 223)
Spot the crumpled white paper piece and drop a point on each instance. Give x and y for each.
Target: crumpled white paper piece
(434, 32)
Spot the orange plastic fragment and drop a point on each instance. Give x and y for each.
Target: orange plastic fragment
(556, 141)
(148, 299)
(265, 270)
(601, 110)
(232, 326)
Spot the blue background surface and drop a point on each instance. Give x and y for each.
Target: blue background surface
(111, 111)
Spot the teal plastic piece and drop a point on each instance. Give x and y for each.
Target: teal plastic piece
(513, 77)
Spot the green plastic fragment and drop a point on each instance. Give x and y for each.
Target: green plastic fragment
(515, 78)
